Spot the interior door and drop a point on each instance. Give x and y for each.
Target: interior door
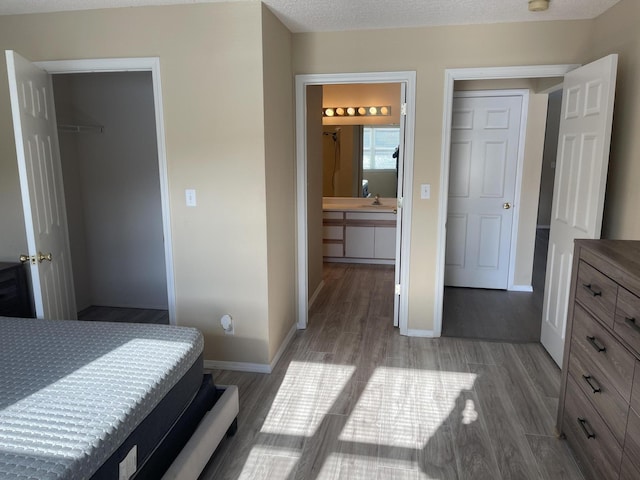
(38, 154)
(485, 136)
(399, 210)
(580, 181)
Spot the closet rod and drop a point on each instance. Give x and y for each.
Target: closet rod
(81, 128)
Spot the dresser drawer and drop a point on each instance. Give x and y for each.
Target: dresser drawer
(591, 340)
(597, 292)
(632, 440)
(592, 442)
(628, 471)
(597, 387)
(627, 320)
(635, 391)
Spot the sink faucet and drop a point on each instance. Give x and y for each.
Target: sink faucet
(376, 201)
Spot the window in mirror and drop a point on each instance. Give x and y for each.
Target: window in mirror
(378, 147)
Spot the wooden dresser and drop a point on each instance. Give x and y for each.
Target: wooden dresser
(599, 410)
(15, 300)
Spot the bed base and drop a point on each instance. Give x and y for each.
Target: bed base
(219, 421)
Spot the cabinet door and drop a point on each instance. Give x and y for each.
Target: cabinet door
(385, 242)
(359, 242)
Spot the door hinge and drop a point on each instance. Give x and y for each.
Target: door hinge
(397, 289)
(399, 205)
(403, 109)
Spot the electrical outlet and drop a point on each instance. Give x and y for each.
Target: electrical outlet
(190, 197)
(227, 324)
(129, 465)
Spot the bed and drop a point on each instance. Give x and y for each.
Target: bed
(94, 400)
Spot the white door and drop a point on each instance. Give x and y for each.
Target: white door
(399, 210)
(580, 182)
(34, 123)
(485, 135)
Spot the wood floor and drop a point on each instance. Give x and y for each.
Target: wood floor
(127, 315)
(498, 314)
(352, 399)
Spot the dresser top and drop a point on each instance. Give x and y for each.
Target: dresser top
(7, 265)
(618, 259)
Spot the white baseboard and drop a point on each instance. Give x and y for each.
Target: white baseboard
(284, 345)
(316, 293)
(420, 333)
(521, 288)
(237, 366)
(252, 367)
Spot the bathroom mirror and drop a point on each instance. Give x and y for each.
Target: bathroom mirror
(360, 160)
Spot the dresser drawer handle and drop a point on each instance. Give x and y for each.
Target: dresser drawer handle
(592, 383)
(594, 344)
(583, 424)
(595, 293)
(632, 323)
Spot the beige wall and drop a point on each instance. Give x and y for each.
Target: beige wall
(429, 51)
(211, 58)
(617, 31)
(280, 178)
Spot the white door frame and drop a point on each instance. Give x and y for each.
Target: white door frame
(142, 64)
(524, 108)
(302, 81)
(450, 76)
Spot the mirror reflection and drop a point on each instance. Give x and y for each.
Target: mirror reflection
(358, 148)
(360, 160)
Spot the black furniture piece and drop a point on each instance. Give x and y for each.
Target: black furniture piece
(15, 300)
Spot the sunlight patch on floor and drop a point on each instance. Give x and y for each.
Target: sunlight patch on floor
(304, 398)
(262, 463)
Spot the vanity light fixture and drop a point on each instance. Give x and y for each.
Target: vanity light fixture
(538, 5)
(369, 111)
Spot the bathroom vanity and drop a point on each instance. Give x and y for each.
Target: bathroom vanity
(356, 231)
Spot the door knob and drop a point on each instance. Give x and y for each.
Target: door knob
(506, 205)
(42, 257)
(27, 258)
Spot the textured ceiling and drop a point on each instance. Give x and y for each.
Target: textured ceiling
(334, 15)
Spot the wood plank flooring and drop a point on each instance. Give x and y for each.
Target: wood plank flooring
(352, 399)
(498, 314)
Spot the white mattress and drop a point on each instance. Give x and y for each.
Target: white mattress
(71, 392)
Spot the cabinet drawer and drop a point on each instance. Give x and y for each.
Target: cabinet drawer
(632, 440)
(591, 340)
(597, 292)
(627, 470)
(597, 387)
(332, 232)
(594, 446)
(333, 215)
(627, 323)
(382, 216)
(332, 250)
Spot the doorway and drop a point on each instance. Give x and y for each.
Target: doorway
(154, 126)
(108, 151)
(303, 141)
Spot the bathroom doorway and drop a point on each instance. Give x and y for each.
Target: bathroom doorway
(309, 116)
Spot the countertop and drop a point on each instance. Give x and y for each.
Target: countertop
(358, 204)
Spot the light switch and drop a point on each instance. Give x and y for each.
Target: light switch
(425, 191)
(190, 195)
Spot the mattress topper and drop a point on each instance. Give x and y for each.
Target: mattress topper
(72, 391)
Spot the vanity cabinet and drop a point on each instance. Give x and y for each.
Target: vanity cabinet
(362, 237)
(599, 410)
